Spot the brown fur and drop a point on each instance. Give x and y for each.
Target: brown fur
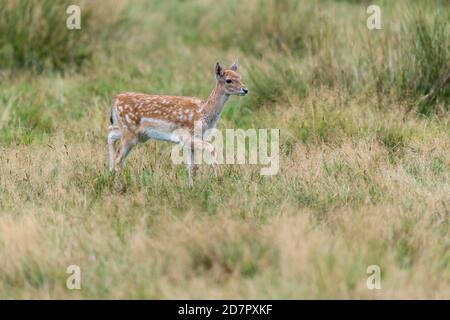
(131, 107)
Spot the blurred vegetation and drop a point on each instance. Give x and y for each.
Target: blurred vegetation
(326, 43)
(33, 33)
(364, 162)
(290, 44)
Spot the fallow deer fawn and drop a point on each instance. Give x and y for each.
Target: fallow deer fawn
(137, 117)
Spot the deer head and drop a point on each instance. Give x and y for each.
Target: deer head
(230, 80)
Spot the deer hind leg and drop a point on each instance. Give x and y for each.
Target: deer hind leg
(128, 141)
(113, 135)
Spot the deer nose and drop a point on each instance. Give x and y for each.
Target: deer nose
(245, 90)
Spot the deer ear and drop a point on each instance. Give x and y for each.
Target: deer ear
(219, 71)
(234, 66)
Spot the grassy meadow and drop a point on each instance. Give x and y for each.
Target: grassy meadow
(364, 159)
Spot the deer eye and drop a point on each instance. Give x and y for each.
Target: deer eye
(228, 81)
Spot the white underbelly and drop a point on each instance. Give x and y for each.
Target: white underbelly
(152, 133)
(159, 130)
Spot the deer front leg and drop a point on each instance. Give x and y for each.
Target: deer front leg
(200, 144)
(192, 168)
(191, 145)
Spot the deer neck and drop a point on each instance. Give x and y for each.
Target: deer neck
(213, 106)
